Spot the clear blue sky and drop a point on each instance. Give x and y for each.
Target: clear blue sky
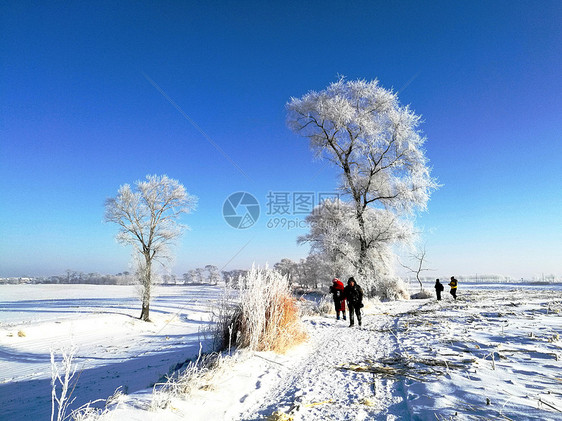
(79, 117)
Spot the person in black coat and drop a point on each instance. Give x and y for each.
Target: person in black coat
(438, 289)
(354, 296)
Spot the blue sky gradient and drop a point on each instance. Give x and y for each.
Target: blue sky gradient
(80, 115)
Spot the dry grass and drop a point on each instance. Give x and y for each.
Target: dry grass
(88, 412)
(197, 375)
(283, 326)
(267, 317)
(418, 369)
(280, 416)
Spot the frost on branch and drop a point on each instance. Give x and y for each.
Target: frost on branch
(62, 374)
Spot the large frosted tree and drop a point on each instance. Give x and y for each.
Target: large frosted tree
(148, 218)
(376, 143)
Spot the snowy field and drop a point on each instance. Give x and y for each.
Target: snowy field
(114, 348)
(495, 353)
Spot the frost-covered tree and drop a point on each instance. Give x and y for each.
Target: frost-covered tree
(316, 272)
(201, 275)
(419, 259)
(148, 217)
(193, 277)
(336, 235)
(376, 143)
(213, 274)
(232, 278)
(288, 268)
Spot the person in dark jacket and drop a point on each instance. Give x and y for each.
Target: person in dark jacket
(438, 289)
(339, 301)
(453, 284)
(354, 296)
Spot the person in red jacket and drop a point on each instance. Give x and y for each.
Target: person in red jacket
(339, 301)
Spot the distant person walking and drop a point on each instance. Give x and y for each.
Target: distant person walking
(339, 300)
(438, 289)
(354, 296)
(453, 284)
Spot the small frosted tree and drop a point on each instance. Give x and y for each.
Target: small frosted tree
(375, 142)
(419, 265)
(148, 218)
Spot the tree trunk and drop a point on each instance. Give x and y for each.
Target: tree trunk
(147, 283)
(145, 312)
(363, 243)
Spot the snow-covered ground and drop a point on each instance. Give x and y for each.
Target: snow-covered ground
(114, 348)
(495, 353)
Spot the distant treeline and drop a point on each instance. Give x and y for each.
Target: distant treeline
(496, 279)
(208, 275)
(72, 277)
(306, 273)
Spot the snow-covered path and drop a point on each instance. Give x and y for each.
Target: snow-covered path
(320, 388)
(310, 382)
